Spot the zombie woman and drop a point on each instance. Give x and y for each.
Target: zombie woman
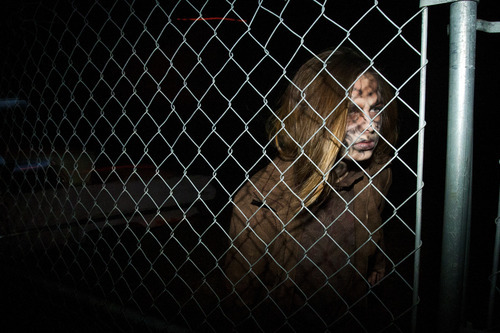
(306, 238)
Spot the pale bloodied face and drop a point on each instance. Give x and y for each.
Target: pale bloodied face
(363, 119)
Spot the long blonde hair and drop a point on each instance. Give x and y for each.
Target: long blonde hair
(310, 124)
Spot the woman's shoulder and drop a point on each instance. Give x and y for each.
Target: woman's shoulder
(270, 183)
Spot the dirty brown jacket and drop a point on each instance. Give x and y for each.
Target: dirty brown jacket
(288, 263)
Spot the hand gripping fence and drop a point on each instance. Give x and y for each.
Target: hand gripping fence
(127, 129)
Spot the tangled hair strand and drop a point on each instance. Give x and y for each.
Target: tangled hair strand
(310, 124)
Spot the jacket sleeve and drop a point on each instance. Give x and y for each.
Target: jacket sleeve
(252, 228)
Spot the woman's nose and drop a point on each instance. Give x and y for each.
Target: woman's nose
(365, 123)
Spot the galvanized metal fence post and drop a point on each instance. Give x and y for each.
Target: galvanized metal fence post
(458, 163)
(420, 171)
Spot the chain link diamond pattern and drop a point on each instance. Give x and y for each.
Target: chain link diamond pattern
(128, 127)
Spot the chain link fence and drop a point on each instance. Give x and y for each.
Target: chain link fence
(127, 129)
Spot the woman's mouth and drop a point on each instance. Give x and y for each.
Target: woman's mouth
(364, 145)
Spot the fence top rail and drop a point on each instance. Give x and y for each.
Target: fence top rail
(426, 3)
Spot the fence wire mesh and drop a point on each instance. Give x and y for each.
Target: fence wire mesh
(128, 128)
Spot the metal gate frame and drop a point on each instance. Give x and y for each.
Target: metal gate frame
(459, 156)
